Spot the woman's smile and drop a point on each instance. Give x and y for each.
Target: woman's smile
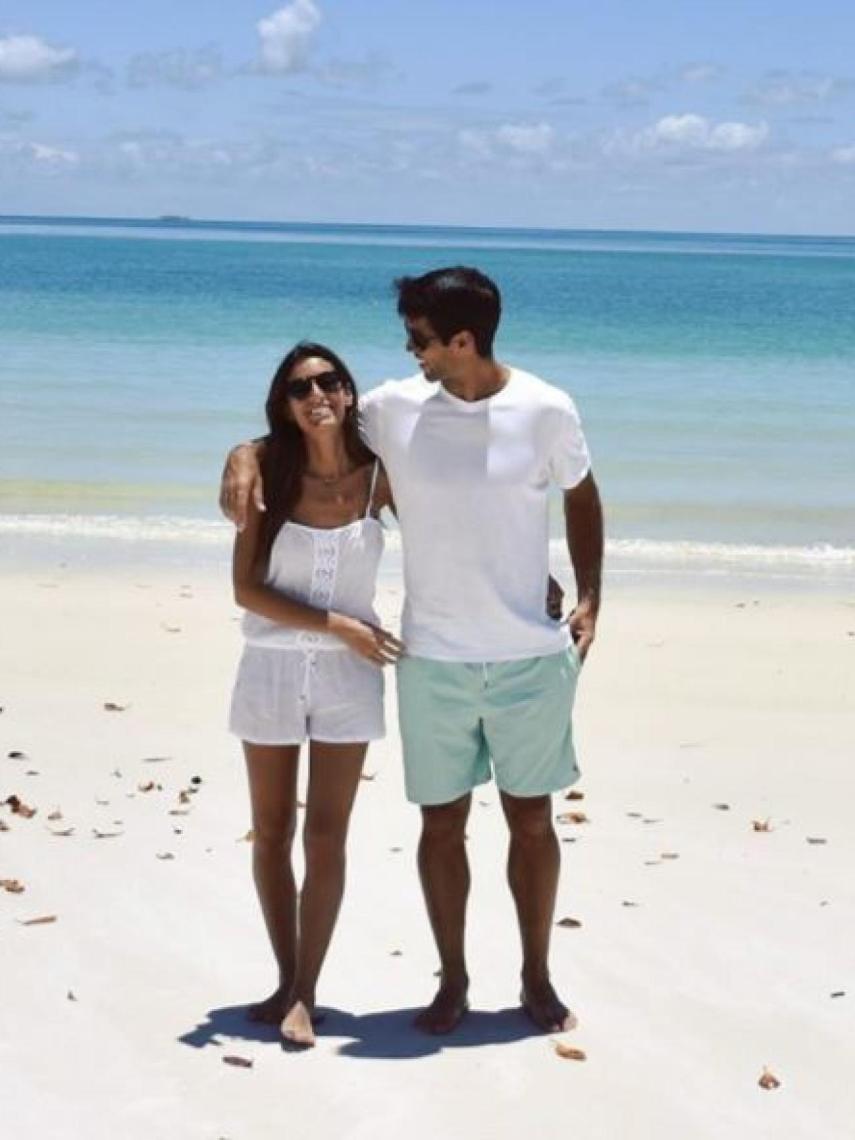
(321, 413)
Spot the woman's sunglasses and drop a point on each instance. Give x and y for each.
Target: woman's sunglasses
(327, 382)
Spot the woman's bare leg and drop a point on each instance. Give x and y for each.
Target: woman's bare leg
(272, 772)
(333, 779)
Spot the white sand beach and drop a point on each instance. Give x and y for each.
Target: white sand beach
(707, 949)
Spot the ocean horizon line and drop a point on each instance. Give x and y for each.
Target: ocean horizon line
(181, 221)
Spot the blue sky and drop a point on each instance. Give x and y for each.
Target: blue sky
(659, 115)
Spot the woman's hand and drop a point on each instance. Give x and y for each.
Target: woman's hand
(369, 641)
(240, 483)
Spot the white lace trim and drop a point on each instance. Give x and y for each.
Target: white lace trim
(324, 572)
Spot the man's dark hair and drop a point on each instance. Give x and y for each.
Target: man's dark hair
(454, 300)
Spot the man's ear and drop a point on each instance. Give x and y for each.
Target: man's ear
(464, 341)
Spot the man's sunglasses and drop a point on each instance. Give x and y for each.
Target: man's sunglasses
(420, 340)
(327, 382)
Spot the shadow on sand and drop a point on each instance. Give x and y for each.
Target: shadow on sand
(386, 1034)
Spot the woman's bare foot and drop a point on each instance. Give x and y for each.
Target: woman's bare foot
(447, 1009)
(272, 1009)
(545, 1008)
(296, 1026)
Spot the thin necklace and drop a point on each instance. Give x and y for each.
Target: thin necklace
(329, 480)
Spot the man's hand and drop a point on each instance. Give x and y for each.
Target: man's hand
(241, 483)
(582, 625)
(554, 599)
(581, 622)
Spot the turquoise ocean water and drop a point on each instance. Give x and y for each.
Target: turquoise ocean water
(715, 374)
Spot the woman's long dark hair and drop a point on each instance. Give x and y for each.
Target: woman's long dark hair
(284, 462)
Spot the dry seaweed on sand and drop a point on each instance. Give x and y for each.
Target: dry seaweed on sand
(569, 1052)
(18, 807)
(572, 817)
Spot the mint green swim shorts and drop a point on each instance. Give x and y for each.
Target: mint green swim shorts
(461, 723)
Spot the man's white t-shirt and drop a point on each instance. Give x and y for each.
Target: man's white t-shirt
(471, 483)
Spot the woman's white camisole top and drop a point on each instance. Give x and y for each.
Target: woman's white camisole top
(331, 568)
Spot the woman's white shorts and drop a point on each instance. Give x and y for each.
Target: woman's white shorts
(284, 696)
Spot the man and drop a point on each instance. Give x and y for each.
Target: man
(471, 447)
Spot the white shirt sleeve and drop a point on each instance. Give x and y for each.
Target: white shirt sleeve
(569, 459)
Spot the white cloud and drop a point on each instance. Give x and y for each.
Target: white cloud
(683, 130)
(845, 155)
(153, 155)
(37, 156)
(285, 36)
(694, 132)
(27, 59)
(792, 89)
(133, 151)
(700, 72)
(519, 140)
(526, 139)
(474, 144)
(53, 155)
(737, 136)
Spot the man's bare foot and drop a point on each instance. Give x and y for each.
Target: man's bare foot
(272, 1009)
(545, 1008)
(446, 1011)
(296, 1026)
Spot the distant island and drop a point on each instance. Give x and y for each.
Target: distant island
(173, 218)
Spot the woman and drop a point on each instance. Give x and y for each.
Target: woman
(305, 572)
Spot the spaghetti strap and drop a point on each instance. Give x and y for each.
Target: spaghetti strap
(373, 484)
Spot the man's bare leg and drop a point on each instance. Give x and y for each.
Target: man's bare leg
(534, 861)
(333, 780)
(444, 872)
(272, 772)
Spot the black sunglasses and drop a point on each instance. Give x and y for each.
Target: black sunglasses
(327, 382)
(420, 340)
